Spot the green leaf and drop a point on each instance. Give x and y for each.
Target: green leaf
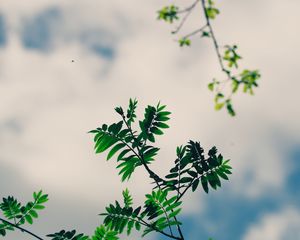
(29, 219)
(128, 201)
(128, 166)
(231, 56)
(131, 111)
(205, 34)
(211, 86)
(172, 206)
(122, 154)
(211, 11)
(186, 180)
(204, 184)
(107, 143)
(168, 13)
(230, 108)
(116, 148)
(157, 208)
(137, 226)
(219, 106)
(173, 214)
(195, 185)
(172, 175)
(10, 207)
(184, 42)
(162, 125)
(221, 174)
(33, 213)
(156, 131)
(70, 235)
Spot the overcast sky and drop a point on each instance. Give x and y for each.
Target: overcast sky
(49, 103)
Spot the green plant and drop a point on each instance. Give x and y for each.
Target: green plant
(134, 148)
(228, 59)
(20, 214)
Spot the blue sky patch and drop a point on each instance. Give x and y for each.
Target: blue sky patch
(99, 42)
(292, 189)
(39, 31)
(104, 51)
(2, 31)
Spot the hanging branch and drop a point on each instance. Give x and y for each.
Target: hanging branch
(228, 60)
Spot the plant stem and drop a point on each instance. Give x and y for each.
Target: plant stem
(152, 175)
(216, 45)
(188, 11)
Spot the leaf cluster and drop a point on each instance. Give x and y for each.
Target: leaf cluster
(20, 214)
(67, 235)
(160, 210)
(192, 167)
(223, 91)
(133, 148)
(168, 13)
(211, 10)
(247, 78)
(155, 215)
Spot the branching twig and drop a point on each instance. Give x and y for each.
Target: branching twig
(213, 37)
(188, 11)
(196, 31)
(152, 175)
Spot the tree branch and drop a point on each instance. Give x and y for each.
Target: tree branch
(152, 175)
(188, 11)
(215, 42)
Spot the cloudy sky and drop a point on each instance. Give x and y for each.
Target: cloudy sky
(48, 103)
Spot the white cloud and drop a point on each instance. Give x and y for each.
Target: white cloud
(55, 101)
(276, 226)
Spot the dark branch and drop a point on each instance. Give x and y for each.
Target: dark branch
(215, 42)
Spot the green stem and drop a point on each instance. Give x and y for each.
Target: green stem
(153, 175)
(216, 45)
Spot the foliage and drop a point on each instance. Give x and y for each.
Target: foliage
(123, 140)
(192, 167)
(64, 235)
(228, 59)
(20, 214)
(134, 148)
(103, 233)
(168, 13)
(128, 201)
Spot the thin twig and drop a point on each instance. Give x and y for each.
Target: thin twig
(190, 7)
(196, 31)
(216, 45)
(188, 11)
(153, 175)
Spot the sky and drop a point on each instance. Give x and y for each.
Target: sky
(65, 65)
